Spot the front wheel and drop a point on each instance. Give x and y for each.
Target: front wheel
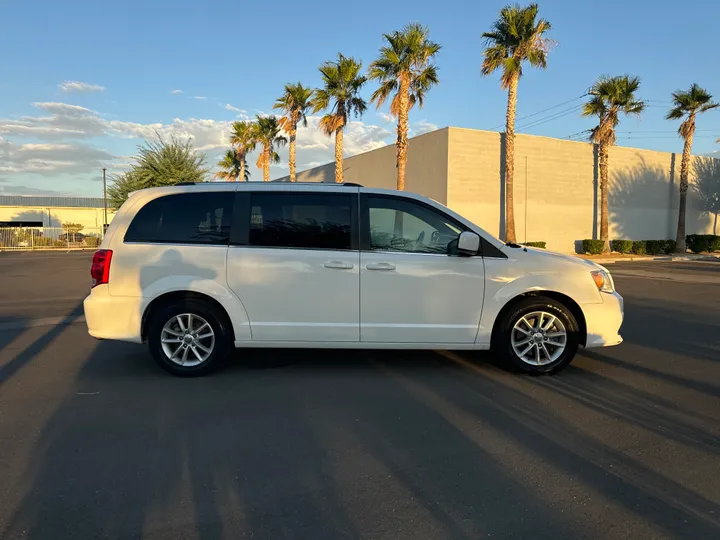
(538, 335)
(189, 337)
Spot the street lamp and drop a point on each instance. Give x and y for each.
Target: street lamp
(105, 223)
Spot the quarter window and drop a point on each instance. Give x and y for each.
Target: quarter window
(185, 218)
(404, 226)
(300, 220)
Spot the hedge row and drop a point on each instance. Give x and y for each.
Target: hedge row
(536, 244)
(697, 243)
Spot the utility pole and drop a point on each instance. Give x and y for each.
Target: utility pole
(105, 223)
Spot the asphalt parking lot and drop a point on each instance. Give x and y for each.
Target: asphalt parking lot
(96, 442)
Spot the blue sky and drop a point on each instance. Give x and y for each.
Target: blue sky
(236, 56)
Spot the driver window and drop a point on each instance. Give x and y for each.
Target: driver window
(403, 226)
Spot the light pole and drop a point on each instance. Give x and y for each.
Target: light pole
(104, 202)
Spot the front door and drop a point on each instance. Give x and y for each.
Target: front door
(296, 268)
(411, 290)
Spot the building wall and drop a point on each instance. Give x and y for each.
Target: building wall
(90, 218)
(560, 199)
(426, 170)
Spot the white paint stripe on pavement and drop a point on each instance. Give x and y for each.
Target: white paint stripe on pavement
(47, 321)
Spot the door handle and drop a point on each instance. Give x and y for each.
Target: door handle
(386, 266)
(338, 265)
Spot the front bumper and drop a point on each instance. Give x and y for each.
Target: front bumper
(113, 317)
(603, 321)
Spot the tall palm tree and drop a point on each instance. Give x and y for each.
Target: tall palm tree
(242, 138)
(340, 95)
(609, 97)
(267, 134)
(405, 69)
(295, 104)
(687, 105)
(516, 37)
(232, 168)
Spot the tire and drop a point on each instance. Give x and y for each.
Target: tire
(205, 319)
(512, 331)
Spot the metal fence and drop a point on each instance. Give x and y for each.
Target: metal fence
(37, 238)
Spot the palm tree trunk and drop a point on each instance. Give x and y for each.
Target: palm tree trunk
(682, 210)
(291, 159)
(338, 155)
(241, 178)
(603, 155)
(266, 164)
(510, 159)
(402, 130)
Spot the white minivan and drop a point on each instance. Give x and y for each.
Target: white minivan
(194, 270)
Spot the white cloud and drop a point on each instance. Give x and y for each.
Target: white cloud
(51, 159)
(176, 92)
(387, 118)
(241, 113)
(423, 126)
(79, 86)
(200, 98)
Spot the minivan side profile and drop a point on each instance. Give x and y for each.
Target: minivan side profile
(195, 270)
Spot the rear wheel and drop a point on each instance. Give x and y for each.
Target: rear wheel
(538, 335)
(189, 337)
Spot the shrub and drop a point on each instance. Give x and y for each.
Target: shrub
(536, 244)
(697, 243)
(621, 246)
(92, 241)
(656, 247)
(714, 243)
(670, 246)
(593, 247)
(639, 247)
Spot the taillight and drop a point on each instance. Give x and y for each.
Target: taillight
(100, 269)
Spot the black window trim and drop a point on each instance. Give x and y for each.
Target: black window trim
(487, 250)
(184, 242)
(240, 230)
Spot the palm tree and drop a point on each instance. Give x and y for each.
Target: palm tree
(242, 138)
(340, 95)
(232, 168)
(404, 69)
(295, 104)
(267, 133)
(609, 97)
(516, 37)
(687, 104)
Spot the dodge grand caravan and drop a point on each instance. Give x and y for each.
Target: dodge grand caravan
(194, 270)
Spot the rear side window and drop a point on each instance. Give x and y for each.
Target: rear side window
(185, 218)
(300, 220)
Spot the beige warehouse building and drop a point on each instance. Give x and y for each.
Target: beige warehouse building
(556, 194)
(32, 211)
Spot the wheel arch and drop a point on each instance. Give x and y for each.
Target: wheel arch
(175, 296)
(563, 299)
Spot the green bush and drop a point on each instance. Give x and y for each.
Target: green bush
(639, 247)
(697, 243)
(670, 246)
(593, 247)
(536, 244)
(714, 243)
(656, 247)
(621, 246)
(92, 241)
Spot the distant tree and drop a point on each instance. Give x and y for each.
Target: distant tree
(158, 163)
(707, 185)
(267, 134)
(405, 71)
(516, 37)
(242, 139)
(340, 96)
(294, 104)
(72, 228)
(231, 168)
(687, 105)
(609, 97)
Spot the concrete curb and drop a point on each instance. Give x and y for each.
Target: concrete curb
(641, 258)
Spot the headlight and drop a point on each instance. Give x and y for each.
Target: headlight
(603, 281)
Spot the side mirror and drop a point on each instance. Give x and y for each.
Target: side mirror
(468, 243)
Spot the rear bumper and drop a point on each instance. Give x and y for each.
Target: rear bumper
(113, 317)
(603, 321)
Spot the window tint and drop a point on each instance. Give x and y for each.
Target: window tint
(187, 218)
(300, 220)
(404, 226)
